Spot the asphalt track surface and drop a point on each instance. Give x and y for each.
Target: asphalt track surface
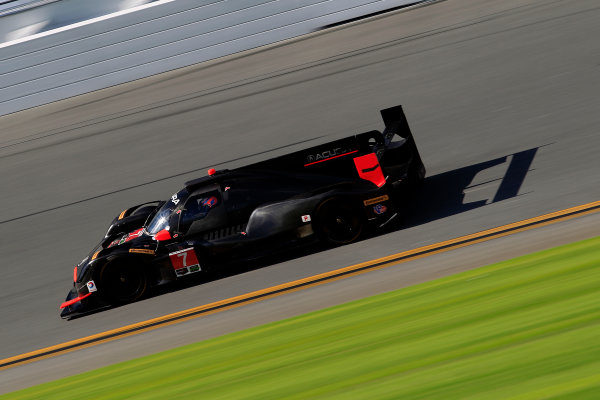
(502, 98)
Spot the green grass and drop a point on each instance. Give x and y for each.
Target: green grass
(527, 328)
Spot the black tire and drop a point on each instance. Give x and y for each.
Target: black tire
(338, 221)
(122, 281)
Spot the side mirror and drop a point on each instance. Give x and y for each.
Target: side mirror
(163, 235)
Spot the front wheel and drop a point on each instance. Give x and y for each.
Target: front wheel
(338, 221)
(122, 281)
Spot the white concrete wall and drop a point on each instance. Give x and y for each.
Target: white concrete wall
(25, 18)
(157, 37)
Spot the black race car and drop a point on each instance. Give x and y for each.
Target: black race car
(330, 193)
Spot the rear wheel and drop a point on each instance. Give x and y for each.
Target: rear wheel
(122, 281)
(338, 221)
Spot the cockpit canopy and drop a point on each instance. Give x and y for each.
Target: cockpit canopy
(167, 216)
(183, 209)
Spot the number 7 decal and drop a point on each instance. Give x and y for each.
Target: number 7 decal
(184, 256)
(184, 261)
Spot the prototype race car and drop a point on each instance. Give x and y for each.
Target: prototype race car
(330, 193)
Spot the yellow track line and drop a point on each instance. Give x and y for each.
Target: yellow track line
(300, 284)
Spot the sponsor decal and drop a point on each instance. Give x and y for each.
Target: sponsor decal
(305, 218)
(142, 251)
(184, 261)
(327, 155)
(227, 188)
(95, 255)
(187, 270)
(174, 199)
(379, 209)
(243, 233)
(178, 212)
(133, 235)
(376, 200)
(122, 214)
(210, 202)
(91, 287)
(126, 238)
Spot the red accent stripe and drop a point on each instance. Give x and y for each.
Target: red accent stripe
(75, 300)
(330, 158)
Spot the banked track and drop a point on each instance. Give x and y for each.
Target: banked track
(501, 96)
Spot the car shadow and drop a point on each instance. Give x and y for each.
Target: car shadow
(445, 194)
(440, 196)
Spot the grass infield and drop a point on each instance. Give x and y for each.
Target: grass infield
(527, 328)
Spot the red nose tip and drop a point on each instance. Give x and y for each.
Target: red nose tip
(162, 235)
(211, 171)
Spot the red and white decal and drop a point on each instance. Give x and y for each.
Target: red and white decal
(306, 218)
(369, 169)
(134, 234)
(127, 237)
(185, 261)
(91, 287)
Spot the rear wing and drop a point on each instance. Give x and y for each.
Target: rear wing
(395, 124)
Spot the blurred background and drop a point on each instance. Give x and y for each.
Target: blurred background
(22, 18)
(501, 96)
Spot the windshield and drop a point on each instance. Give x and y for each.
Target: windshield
(166, 218)
(160, 221)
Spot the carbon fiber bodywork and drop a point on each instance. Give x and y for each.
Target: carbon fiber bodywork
(332, 192)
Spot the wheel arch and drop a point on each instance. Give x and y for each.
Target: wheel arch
(335, 214)
(121, 278)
